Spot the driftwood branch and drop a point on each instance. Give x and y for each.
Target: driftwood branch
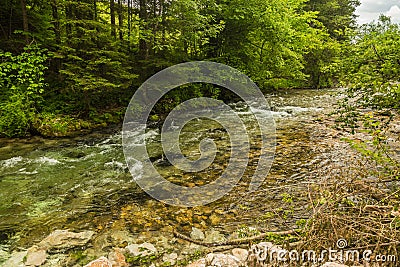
(232, 242)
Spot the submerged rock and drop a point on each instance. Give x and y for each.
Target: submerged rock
(64, 239)
(213, 236)
(214, 219)
(197, 234)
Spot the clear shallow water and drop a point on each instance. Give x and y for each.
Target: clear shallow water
(58, 183)
(83, 183)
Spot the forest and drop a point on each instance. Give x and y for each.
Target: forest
(69, 65)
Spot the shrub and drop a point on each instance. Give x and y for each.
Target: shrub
(21, 86)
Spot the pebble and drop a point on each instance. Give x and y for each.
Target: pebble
(213, 236)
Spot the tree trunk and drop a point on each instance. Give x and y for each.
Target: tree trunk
(143, 47)
(25, 20)
(155, 24)
(120, 20)
(163, 20)
(56, 21)
(57, 33)
(129, 24)
(68, 27)
(95, 9)
(112, 14)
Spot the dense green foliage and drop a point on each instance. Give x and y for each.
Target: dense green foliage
(102, 50)
(372, 65)
(21, 86)
(276, 36)
(370, 71)
(337, 17)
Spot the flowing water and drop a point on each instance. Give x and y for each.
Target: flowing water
(83, 183)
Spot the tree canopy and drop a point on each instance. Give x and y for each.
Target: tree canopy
(97, 52)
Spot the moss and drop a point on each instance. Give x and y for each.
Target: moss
(51, 125)
(191, 258)
(80, 257)
(154, 117)
(141, 260)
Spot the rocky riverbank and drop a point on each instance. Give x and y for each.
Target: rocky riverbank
(65, 248)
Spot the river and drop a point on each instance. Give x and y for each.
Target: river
(83, 183)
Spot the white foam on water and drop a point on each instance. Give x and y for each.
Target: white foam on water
(152, 133)
(48, 161)
(295, 110)
(103, 152)
(280, 114)
(11, 162)
(105, 141)
(267, 113)
(111, 142)
(25, 172)
(28, 173)
(136, 136)
(115, 165)
(243, 112)
(89, 156)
